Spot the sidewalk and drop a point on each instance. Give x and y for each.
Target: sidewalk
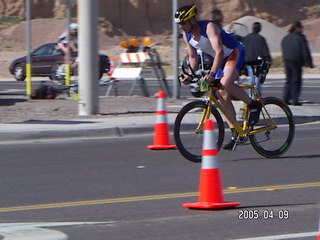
(120, 116)
(24, 119)
(314, 76)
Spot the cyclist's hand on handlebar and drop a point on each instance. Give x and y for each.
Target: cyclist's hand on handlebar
(212, 81)
(208, 78)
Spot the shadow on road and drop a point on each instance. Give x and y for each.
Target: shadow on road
(64, 122)
(277, 205)
(305, 119)
(274, 159)
(11, 101)
(303, 156)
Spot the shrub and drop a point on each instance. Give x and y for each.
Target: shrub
(9, 20)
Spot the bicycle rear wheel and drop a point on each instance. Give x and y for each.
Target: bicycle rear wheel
(273, 143)
(188, 140)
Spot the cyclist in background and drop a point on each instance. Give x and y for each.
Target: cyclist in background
(73, 40)
(228, 56)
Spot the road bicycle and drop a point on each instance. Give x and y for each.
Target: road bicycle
(271, 136)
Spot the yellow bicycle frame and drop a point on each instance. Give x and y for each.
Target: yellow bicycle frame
(243, 129)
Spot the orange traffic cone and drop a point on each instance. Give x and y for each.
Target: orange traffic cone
(161, 131)
(211, 195)
(319, 230)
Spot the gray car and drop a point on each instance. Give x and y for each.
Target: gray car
(49, 61)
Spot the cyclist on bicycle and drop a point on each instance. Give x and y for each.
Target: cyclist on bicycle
(73, 40)
(228, 56)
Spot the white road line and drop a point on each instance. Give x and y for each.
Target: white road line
(35, 231)
(33, 234)
(284, 236)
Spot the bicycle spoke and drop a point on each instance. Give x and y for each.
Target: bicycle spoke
(188, 129)
(273, 142)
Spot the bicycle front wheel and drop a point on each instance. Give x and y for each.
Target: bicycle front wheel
(188, 135)
(274, 142)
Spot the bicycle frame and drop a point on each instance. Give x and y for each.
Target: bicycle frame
(243, 130)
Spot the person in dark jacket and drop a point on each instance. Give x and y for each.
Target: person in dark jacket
(296, 54)
(217, 17)
(256, 47)
(255, 44)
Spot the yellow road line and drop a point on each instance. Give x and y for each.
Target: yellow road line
(153, 197)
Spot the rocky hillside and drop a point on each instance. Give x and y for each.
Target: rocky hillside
(121, 19)
(138, 17)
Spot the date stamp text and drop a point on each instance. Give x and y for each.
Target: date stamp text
(266, 214)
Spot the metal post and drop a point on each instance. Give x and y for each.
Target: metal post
(68, 68)
(175, 66)
(29, 48)
(88, 57)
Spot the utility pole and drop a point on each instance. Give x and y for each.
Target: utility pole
(175, 66)
(67, 64)
(88, 57)
(29, 48)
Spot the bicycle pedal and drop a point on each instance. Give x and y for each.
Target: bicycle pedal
(241, 140)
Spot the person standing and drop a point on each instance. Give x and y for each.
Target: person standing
(217, 17)
(296, 54)
(256, 47)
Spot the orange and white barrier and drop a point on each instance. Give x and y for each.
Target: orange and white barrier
(136, 57)
(211, 193)
(129, 73)
(126, 73)
(161, 130)
(136, 66)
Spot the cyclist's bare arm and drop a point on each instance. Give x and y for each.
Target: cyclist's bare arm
(192, 59)
(213, 33)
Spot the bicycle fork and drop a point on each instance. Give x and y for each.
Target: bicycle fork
(205, 115)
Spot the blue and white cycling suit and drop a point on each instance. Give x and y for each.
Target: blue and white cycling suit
(234, 54)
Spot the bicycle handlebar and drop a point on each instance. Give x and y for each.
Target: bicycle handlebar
(196, 78)
(192, 74)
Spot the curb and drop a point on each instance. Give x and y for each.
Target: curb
(102, 132)
(51, 134)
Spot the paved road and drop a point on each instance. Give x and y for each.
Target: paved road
(273, 86)
(90, 189)
(10, 86)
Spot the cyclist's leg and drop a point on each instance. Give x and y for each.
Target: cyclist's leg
(231, 69)
(254, 105)
(229, 75)
(231, 72)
